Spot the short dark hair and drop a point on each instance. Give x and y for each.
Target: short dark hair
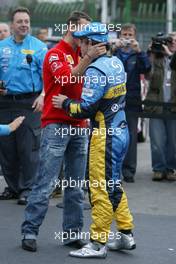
(128, 26)
(75, 17)
(20, 9)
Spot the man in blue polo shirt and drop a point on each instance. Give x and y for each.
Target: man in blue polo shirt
(21, 59)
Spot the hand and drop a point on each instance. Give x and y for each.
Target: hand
(58, 100)
(96, 51)
(166, 50)
(119, 43)
(135, 45)
(38, 103)
(16, 123)
(150, 46)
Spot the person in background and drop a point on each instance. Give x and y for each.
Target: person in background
(162, 131)
(136, 62)
(5, 130)
(42, 34)
(21, 61)
(4, 31)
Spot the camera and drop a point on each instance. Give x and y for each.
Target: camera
(2, 85)
(126, 42)
(159, 41)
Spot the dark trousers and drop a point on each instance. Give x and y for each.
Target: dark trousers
(19, 151)
(130, 161)
(163, 144)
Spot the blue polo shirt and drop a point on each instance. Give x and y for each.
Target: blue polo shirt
(20, 76)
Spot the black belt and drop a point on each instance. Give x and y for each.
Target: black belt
(20, 96)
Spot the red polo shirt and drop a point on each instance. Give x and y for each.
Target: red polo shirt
(56, 76)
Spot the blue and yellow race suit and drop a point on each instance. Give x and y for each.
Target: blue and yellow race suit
(103, 101)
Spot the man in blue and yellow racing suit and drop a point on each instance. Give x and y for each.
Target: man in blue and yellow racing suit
(103, 101)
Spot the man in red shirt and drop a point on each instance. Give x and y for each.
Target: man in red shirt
(62, 139)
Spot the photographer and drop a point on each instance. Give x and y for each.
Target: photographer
(136, 62)
(162, 82)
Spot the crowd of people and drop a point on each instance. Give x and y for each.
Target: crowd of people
(41, 106)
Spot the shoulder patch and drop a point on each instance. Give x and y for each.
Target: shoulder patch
(53, 57)
(56, 65)
(70, 59)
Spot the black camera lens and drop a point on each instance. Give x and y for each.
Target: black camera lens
(158, 42)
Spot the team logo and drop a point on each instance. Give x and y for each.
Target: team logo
(26, 52)
(24, 62)
(56, 65)
(117, 66)
(53, 57)
(115, 108)
(87, 92)
(70, 59)
(6, 51)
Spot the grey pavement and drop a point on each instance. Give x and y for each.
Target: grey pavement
(154, 208)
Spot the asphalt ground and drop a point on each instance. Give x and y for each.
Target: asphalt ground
(153, 205)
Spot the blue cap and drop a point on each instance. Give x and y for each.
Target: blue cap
(95, 31)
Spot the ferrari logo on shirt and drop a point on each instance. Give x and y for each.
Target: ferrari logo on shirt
(53, 57)
(70, 59)
(56, 65)
(25, 51)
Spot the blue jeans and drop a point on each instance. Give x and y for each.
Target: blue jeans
(163, 144)
(56, 147)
